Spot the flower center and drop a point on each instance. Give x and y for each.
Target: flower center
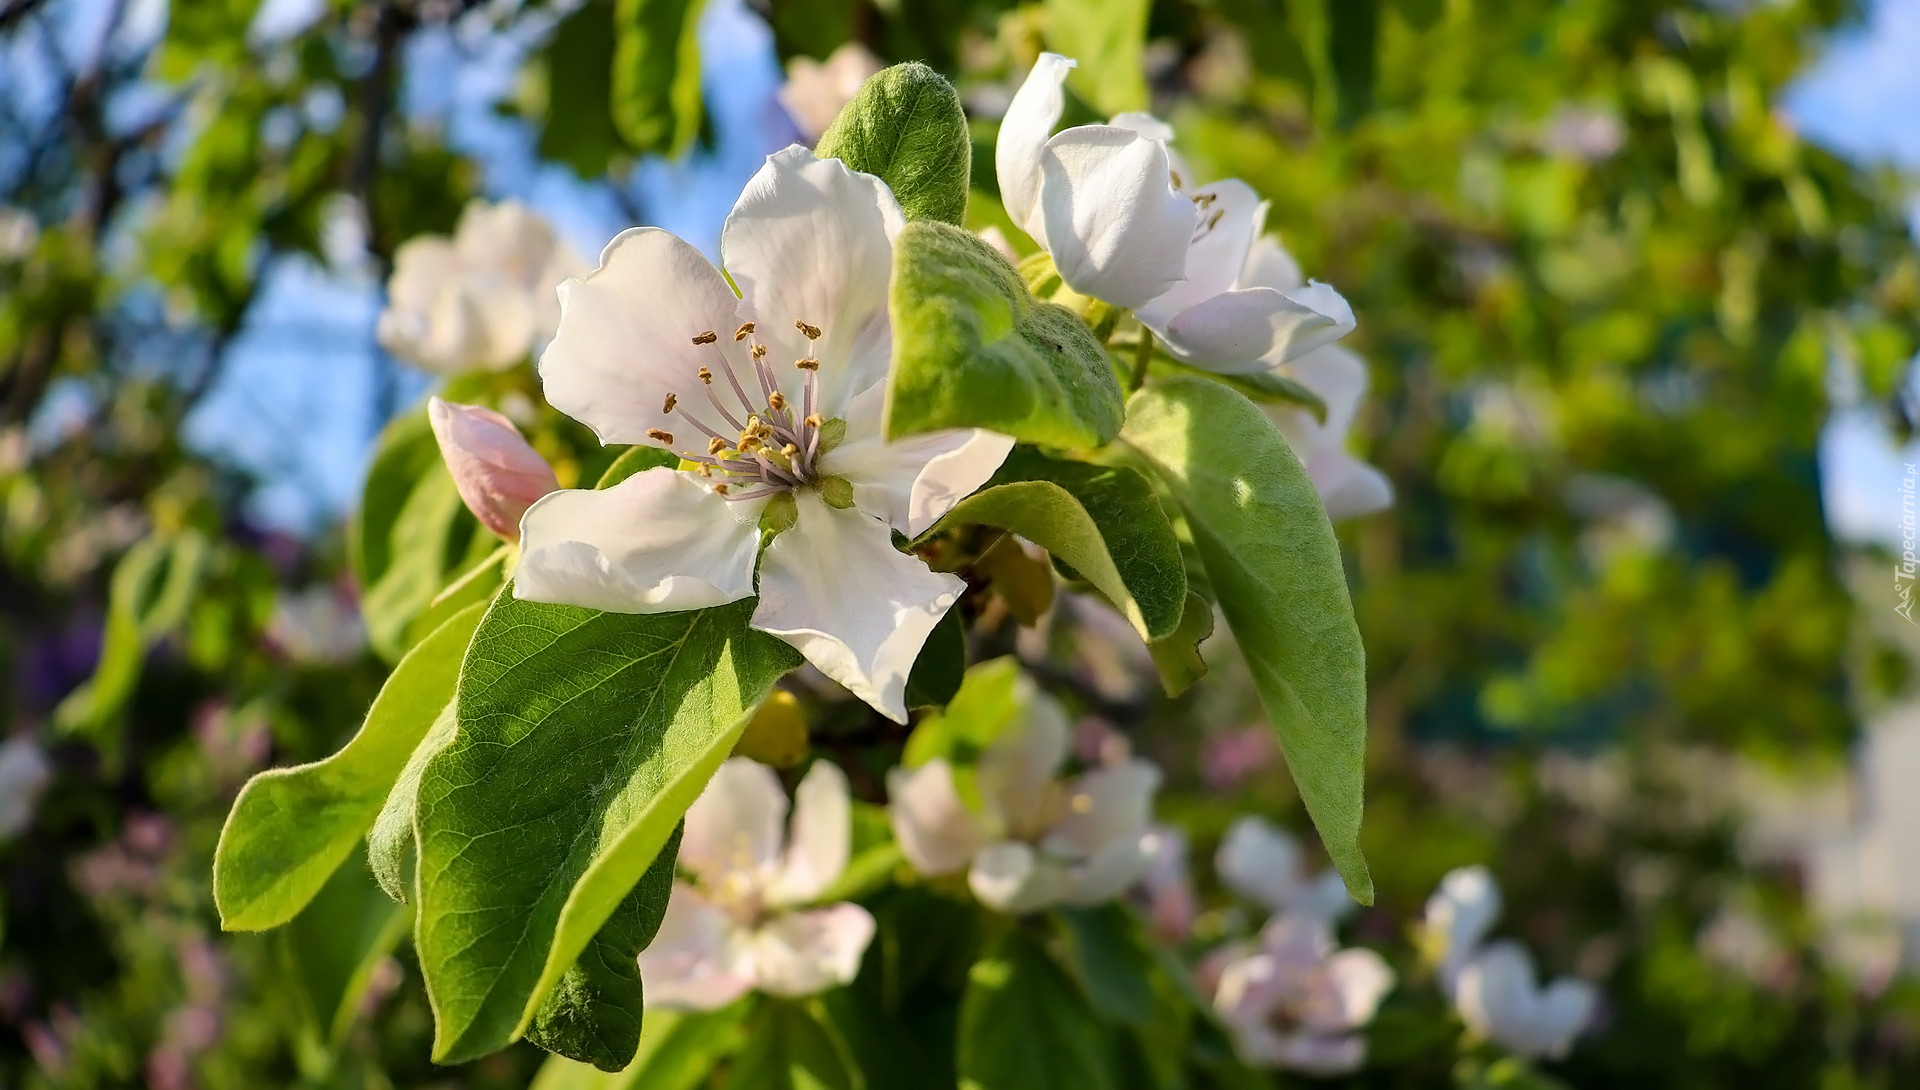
(775, 443)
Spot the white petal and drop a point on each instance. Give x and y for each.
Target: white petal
(1108, 872)
(1348, 486)
(1339, 377)
(911, 482)
(1357, 981)
(1229, 214)
(935, 830)
(1319, 1054)
(735, 828)
(1015, 772)
(834, 587)
(1108, 805)
(804, 953)
(1297, 942)
(1269, 265)
(812, 241)
(1024, 129)
(1498, 997)
(1459, 915)
(1109, 215)
(1565, 1009)
(1009, 876)
(818, 842)
(686, 965)
(1260, 862)
(626, 340)
(657, 542)
(1253, 329)
(1153, 128)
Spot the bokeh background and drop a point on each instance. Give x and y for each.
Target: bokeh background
(1639, 293)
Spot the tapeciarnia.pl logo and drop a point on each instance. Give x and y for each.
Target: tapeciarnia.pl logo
(1909, 565)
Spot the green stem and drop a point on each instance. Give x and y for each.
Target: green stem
(1142, 356)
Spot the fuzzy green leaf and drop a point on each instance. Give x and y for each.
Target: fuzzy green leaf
(583, 737)
(1274, 563)
(1177, 655)
(971, 349)
(906, 126)
(290, 828)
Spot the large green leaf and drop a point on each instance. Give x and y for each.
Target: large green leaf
(656, 74)
(906, 126)
(1103, 521)
(390, 841)
(332, 947)
(1024, 1026)
(1111, 958)
(291, 827)
(1274, 563)
(678, 1051)
(1108, 38)
(792, 1046)
(971, 348)
(583, 737)
(593, 1013)
(577, 128)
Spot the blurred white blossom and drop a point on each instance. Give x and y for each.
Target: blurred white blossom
(1296, 1001)
(1500, 998)
(816, 92)
(1265, 864)
(24, 773)
(1458, 918)
(320, 624)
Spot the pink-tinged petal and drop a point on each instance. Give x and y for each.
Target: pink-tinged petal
(1015, 773)
(1170, 902)
(911, 482)
(498, 474)
(1230, 212)
(1254, 329)
(1108, 805)
(1009, 876)
(736, 827)
(1109, 215)
(657, 542)
(1317, 1054)
(815, 93)
(811, 241)
(799, 954)
(626, 341)
(1350, 987)
(1024, 130)
(687, 966)
(818, 842)
(935, 830)
(834, 587)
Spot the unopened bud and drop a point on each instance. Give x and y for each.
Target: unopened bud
(498, 474)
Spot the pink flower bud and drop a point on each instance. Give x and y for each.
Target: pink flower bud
(498, 474)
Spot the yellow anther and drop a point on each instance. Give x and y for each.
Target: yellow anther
(810, 332)
(716, 445)
(707, 338)
(813, 421)
(778, 401)
(757, 351)
(789, 450)
(807, 364)
(1081, 803)
(741, 333)
(670, 403)
(706, 376)
(720, 489)
(1215, 221)
(1178, 182)
(661, 436)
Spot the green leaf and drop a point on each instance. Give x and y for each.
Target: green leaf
(1024, 1025)
(656, 74)
(1353, 47)
(936, 674)
(152, 590)
(1113, 964)
(593, 1014)
(390, 841)
(1103, 521)
(1177, 656)
(583, 737)
(990, 696)
(906, 126)
(576, 127)
(972, 349)
(1108, 38)
(1271, 557)
(790, 1046)
(636, 459)
(404, 453)
(476, 586)
(678, 1051)
(1263, 386)
(333, 946)
(292, 827)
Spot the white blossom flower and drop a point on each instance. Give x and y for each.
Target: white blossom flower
(24, 773)
(1500, 998)
(479, 301)
(498, 474)
(1036, 840)
(1263, 863)
(321, 624)
(1099, 198)
(1295, 1001)
(739, 918)
(1348, 486)
(774, 401)
(815, 93)
(1458, 917)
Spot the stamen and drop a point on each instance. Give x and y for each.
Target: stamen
(721, 489)
(778, 401)
(741, 333)
(757, 350)
(706, 376)
(662, 436)
(715, 445)
(808, 364)
(790, 450)
(707, 338)
(671, 402)
(1215, 221)
(810, 332)
(814, 421)
(770, 490)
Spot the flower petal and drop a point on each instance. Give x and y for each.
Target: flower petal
(1111, 804)
(1354, 982)
(818, 842)
(498, 474)
(1109, 215)
(657, 542)
(1348, 486)
(1565, 1009)
(1499, 998)
(686, 966)
(935, 830)
(1111, 868)
(1458, 916)
(736, 827)
(834, 587)
(1230, 213)
(1009, 876)
(811, 241)
(1260, 862)
(1269, 265)
(804, 953)
(1015, 772)
(626, 339)
(1029, 120)
(1319, 1054)
(1253, 329)
(911, 482)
